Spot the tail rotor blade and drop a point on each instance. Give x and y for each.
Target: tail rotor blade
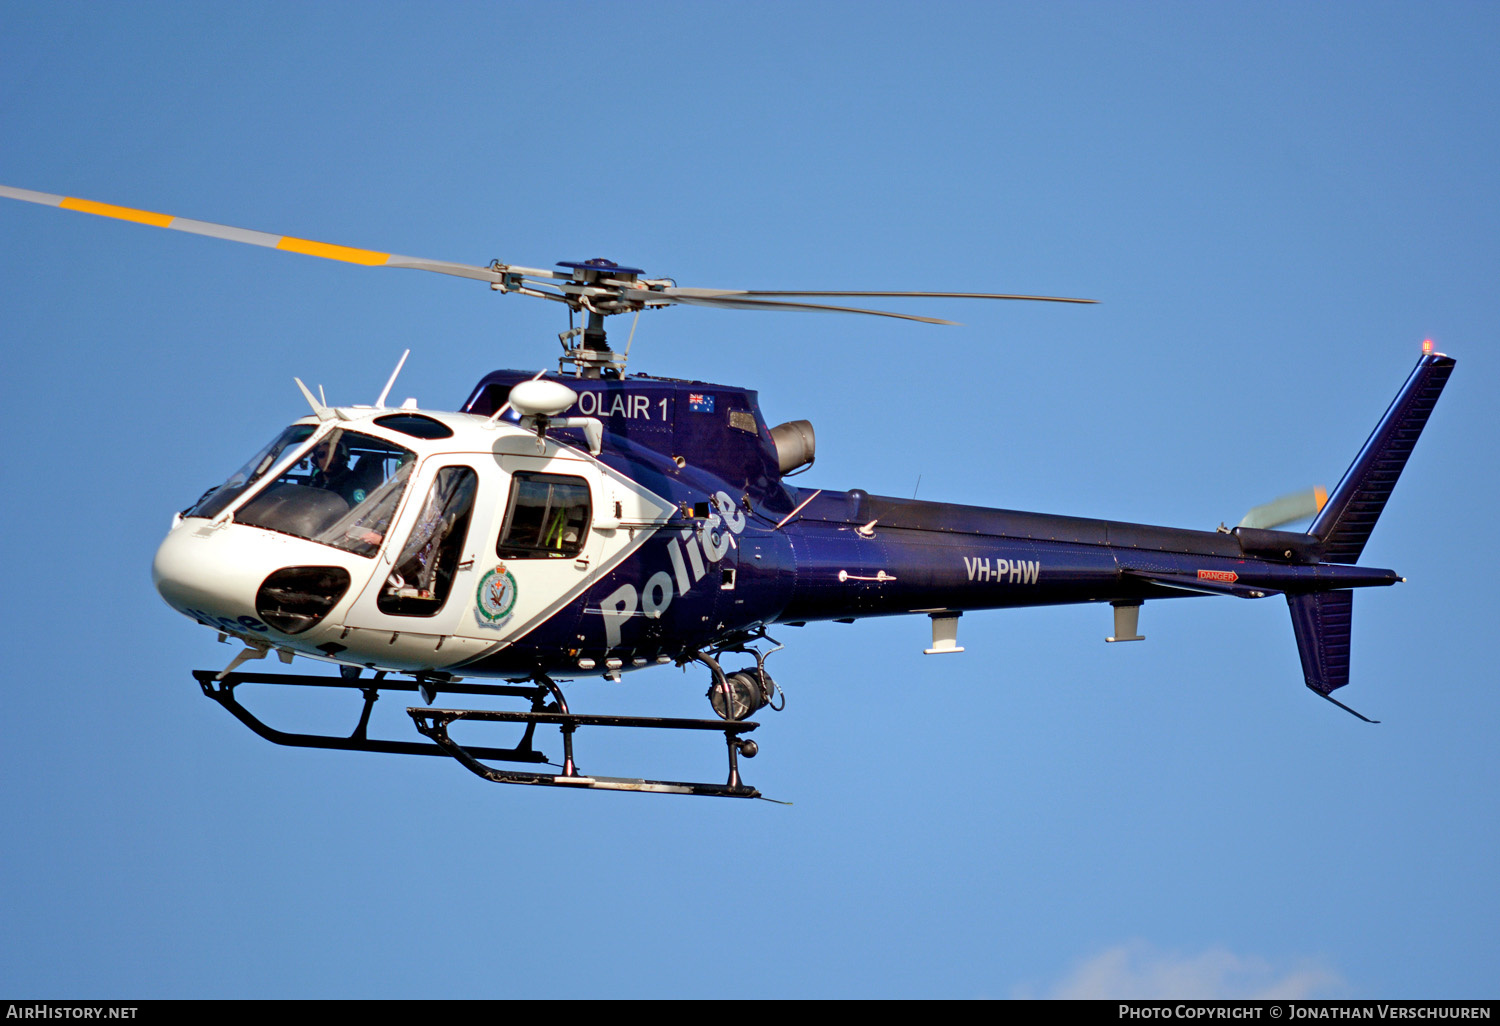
(1288, 509)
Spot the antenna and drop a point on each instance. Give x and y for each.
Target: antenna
(319, 409)
(380, 403)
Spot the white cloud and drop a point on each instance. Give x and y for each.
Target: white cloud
(1138, 970)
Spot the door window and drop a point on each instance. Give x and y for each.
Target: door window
(423, 573)
(547, 518)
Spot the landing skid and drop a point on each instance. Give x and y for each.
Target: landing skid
(222, 691)
(434, 723)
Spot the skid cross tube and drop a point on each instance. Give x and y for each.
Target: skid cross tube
(222, 691)
(434, 724)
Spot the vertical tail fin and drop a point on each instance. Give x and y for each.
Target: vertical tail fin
(1321, 623)
(1321, 620)
(1345, 523)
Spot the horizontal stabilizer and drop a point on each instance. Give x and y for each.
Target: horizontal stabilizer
(1345, 523)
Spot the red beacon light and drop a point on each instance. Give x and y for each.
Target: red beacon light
(1427, 347)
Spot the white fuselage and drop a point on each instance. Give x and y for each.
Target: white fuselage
(430, 586)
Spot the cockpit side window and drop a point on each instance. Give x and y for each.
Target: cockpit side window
(423, 574)
(548, 517)
(342, 492)
(216, 500)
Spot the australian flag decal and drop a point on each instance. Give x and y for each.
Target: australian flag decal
(700, 403)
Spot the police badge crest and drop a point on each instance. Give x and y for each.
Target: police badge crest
(496, 597)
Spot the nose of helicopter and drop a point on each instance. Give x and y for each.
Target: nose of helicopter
(215, 573)
(198, 573)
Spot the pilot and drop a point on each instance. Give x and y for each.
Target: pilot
(323, 461)
(352, 478)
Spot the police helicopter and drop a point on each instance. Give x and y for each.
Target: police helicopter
(586, 522)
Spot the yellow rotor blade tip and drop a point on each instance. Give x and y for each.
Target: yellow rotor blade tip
(121, 213)
(348, 254)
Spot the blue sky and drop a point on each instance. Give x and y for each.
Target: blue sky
(1275, 204)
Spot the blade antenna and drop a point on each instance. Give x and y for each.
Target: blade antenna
(380, 403)
(320, 410)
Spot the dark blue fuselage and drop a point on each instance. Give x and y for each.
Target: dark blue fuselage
(747, 550)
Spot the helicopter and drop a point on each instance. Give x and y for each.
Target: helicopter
(586, 522)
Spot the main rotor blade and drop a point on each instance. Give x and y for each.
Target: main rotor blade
(602, 294)
(924, 295)
(290, 243)
(741, 301)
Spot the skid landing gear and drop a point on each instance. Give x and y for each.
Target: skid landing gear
(222, 691)
(433, 723)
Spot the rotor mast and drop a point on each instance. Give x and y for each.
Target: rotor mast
(587, 348)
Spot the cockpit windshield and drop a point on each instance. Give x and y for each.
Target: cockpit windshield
(217, 499)
(342, 492)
